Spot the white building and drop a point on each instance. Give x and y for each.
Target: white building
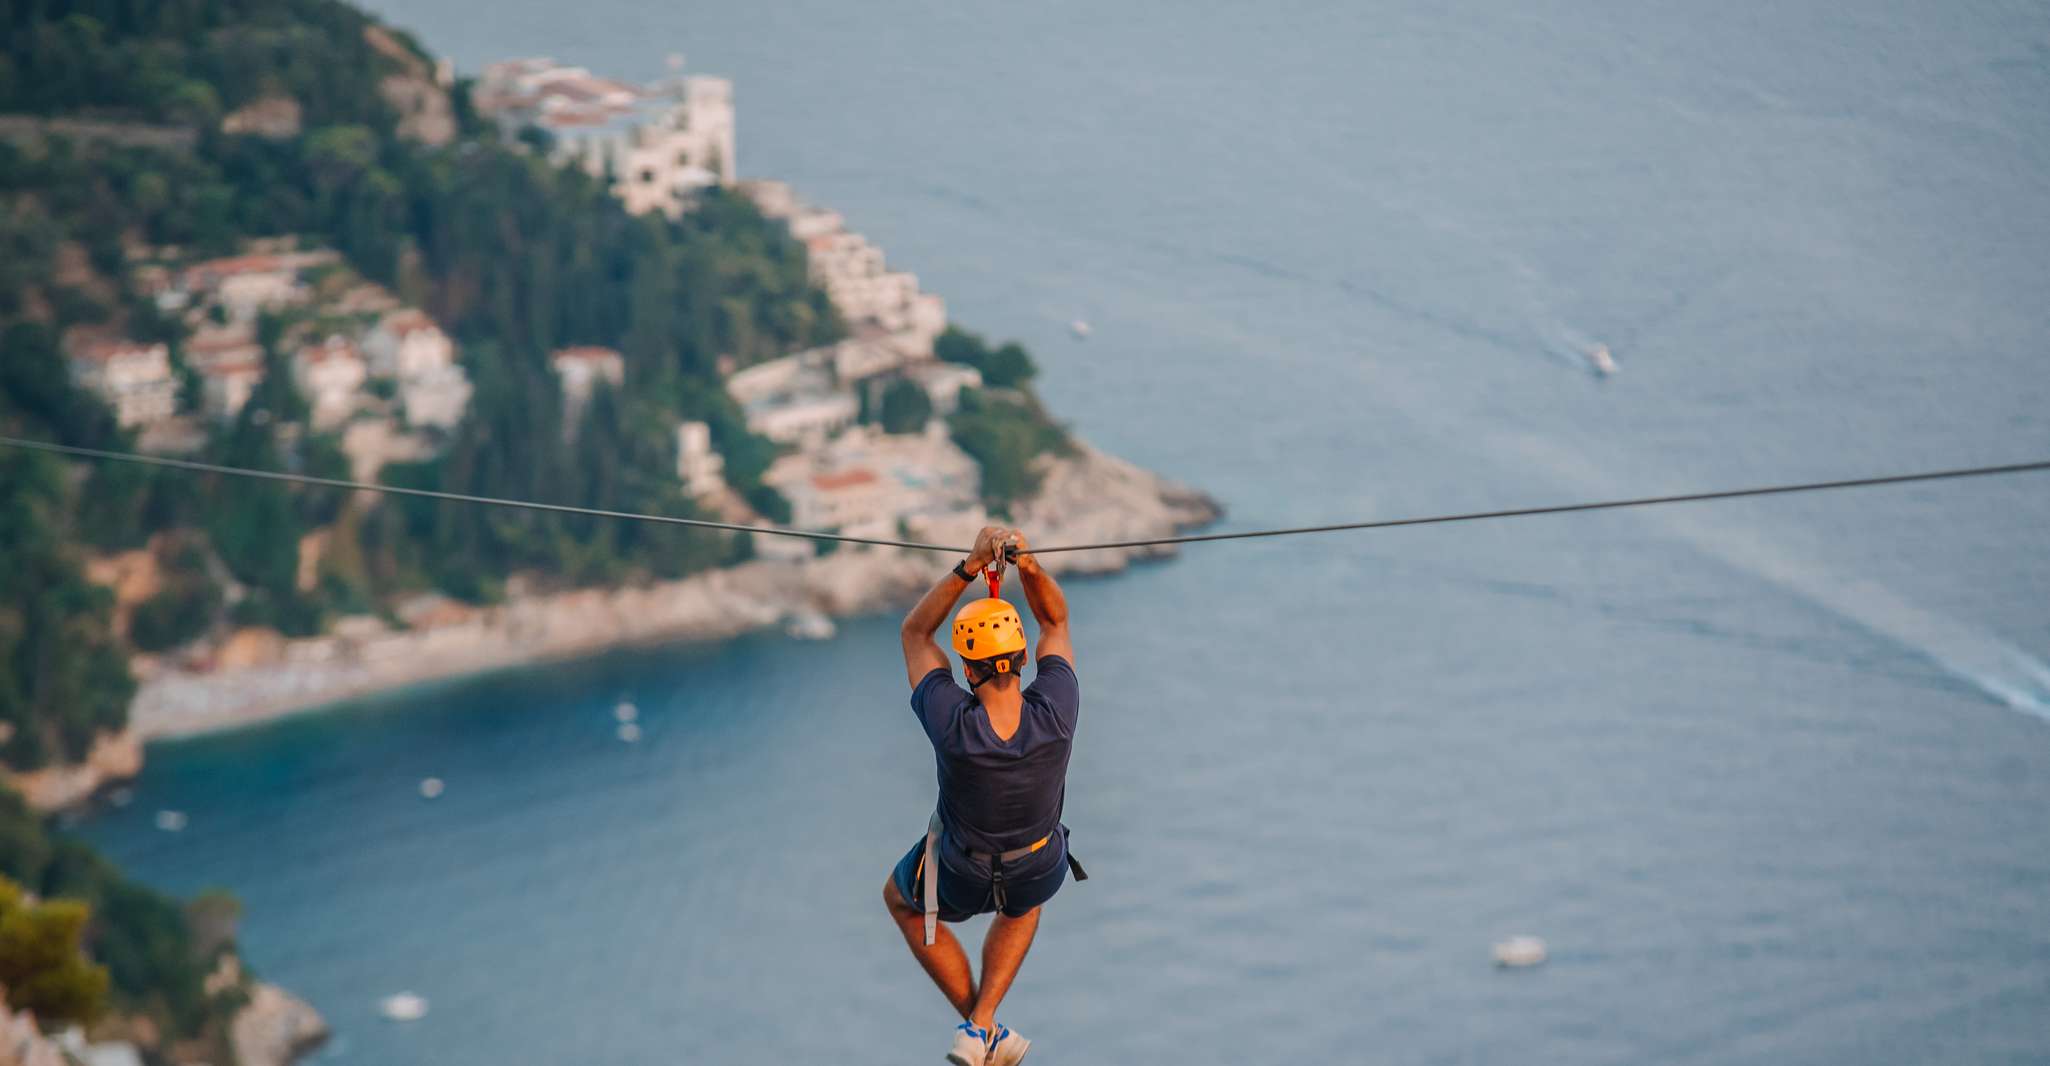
(930, 465)
(805, 421)
(864, 355)
(814, 222)
(230, 366)
(868, 481)
(407, 344)
(233, 345)
(698, 466)
(437, 399)
(330, 375)
(133, 378)
(660, 144)
(943, 383)
(925, 320)
(246, 285)
(579, 369)
(853, 272)
(227, 386)
(763, 381)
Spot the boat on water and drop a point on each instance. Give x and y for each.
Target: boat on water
(625, 712)
(403, 1007)
(1600, 361)
(171, 821)
(430, 787)
(1080, 329)
(810, 625)
(1520, 951)
(629, 733)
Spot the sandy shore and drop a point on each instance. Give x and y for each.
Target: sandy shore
(1088, 497)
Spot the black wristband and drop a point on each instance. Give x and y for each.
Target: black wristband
(961, 571)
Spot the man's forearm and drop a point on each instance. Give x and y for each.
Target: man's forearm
(932, 608)
(1042, 593)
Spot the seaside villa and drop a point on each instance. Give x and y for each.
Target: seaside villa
(133, 378)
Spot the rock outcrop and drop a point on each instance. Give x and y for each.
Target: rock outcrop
(1092, 498)
(114, 757)
(275, 1028)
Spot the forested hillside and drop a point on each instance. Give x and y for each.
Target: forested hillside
(514, 257)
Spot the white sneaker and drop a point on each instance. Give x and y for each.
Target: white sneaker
(971, 1046)
(1008, 1049)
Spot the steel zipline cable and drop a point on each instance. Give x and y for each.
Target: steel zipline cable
(1198, 538)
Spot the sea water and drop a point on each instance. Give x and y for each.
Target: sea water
(1770, 777)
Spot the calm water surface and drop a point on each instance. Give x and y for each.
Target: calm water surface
(1772, 777)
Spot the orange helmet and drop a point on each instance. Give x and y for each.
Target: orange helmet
(988, 628)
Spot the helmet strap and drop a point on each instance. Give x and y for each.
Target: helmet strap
(991, 670)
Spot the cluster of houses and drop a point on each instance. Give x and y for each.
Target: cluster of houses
(386, 377)
(658, 144)
(840, 474)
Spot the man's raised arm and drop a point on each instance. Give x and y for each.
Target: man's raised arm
(1049, 605)
(921, 654)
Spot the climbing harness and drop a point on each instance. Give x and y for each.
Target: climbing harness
(928, 867)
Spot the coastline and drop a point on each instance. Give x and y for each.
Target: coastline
(1085, 496)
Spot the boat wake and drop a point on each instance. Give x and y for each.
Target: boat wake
(1988, 663)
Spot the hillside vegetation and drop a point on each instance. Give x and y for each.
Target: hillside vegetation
(514, 257)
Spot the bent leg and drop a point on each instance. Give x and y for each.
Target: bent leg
(1003, 951)
(943, 959)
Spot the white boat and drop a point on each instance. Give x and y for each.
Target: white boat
(629, 732)
(171, 821)
(1520, 951)
(1601, 361)
(626, 712)
(430, 787)
(404, 1007)
(810, 625)
(1080, 328)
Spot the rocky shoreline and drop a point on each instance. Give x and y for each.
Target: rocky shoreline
(1086, 496)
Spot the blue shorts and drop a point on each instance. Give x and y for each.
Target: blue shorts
(967, 887)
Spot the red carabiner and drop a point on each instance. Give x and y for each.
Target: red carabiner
(994, 573)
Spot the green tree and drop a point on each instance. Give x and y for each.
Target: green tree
(1008, 366)
(42, 966)
(181, 612)
(905, 408)
(1005, 436)
(63, 679)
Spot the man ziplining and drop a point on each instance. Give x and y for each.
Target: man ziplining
(995, 842)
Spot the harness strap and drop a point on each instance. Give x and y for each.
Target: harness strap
(931, 888)
(1012, 855)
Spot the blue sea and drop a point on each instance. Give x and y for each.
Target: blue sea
(1771, 777)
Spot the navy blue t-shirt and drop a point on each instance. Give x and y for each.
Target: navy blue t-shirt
(997, 795)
